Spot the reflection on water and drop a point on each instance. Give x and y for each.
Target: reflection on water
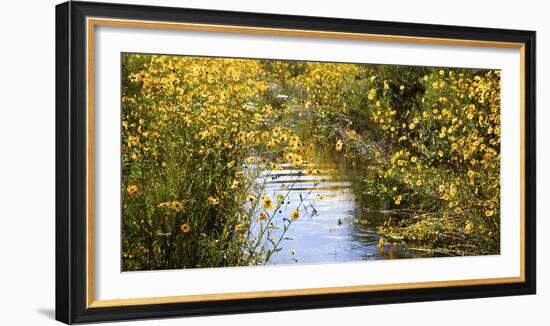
(332, 226)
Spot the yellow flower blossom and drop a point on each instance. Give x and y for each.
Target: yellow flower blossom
(235, 184)
(339, 145)
(185, 228)
(469, 227)
(165, 204)
(267, 203)
(132, 190)
(262, 216)
(398, 199)
(177, 206)
(213, 201)
(371, 94)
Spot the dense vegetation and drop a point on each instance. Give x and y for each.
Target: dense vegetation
(196, 132)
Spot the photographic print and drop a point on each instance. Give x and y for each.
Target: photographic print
(246, 162)
(213, 162)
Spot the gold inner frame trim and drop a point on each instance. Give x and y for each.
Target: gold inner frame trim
(92, 22)
(300, 292)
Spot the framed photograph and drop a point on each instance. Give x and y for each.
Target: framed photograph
(214, 162)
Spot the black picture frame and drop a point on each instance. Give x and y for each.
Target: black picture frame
(71, 158)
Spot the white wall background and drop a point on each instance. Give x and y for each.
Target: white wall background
(27, 161)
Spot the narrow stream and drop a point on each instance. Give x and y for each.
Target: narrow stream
(332, 226)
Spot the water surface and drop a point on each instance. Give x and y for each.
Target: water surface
(333, 226)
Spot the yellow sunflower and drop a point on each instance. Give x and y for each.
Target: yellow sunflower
(132, 190)
(177, 206)
(267, 203)
(185, 228)
(262, 217)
